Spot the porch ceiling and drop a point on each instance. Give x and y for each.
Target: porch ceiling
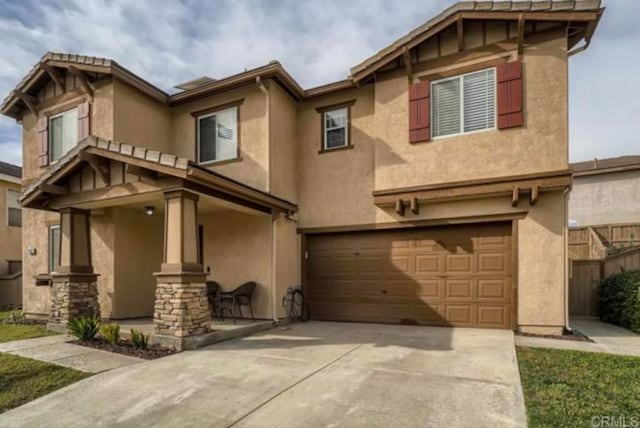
(118, 172)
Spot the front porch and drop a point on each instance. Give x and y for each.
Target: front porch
(141, 233)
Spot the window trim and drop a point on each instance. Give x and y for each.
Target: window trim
(50, 229)
(460, 77)
(212, 111)
(329, 108)
(8, 208)
(50, 117)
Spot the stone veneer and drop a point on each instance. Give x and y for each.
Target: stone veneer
(72, 299)
(181, 309)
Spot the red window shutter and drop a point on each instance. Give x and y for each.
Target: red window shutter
(83, 120)
(509, 79)
(419, 114)
(43, 140)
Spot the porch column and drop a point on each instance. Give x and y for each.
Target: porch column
(181, 307)
(75, 289)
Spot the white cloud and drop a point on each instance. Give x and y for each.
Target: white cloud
(167, 42)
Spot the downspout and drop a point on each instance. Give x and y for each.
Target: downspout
(274, 309)
(267, 102)
(565, 219)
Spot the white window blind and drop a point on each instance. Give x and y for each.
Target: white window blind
(464, 103)
(14, 211)
(54, 248)
(218, 136)
(479, 100)
(335, 128)
(446, 107)
(63, 133)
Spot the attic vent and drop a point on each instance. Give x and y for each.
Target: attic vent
(195, 83)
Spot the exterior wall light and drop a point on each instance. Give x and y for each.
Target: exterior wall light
(149, 210)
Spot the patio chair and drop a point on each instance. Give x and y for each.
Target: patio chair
(239, 297)
(213, 295)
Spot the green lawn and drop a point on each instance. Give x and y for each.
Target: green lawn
(24, 379)
(9, 332)
(568, 388)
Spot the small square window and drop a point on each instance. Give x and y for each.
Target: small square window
(336, 128)
(218, 136)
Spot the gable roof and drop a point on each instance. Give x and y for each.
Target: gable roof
(505, 10)
(587, 12)
(10, 170)
(35, 195)
(603, 166)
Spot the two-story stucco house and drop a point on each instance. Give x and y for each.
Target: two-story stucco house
(429, 187)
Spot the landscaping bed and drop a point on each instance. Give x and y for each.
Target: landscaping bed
(571, 388)
(126, 348)
(24, 379)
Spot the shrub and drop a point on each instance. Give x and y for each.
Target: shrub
(139, 339)
(619, 299)
(111, 332)
(84, 328)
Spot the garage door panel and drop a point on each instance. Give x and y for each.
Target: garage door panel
(459, 263)
(454, 275)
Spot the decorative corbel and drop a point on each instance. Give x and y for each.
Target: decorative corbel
(29, 100)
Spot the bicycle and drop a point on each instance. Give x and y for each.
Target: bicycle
(293, 300)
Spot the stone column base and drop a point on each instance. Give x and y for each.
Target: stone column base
(73, 295)
(181, 308)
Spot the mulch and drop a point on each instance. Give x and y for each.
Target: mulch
(574, 335)
(126, 348)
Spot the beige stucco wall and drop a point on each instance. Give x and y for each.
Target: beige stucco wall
(139, 119)
(254, 166)
(283, 144)
(541, 145)
(138, 254)
(10, 236)
(287, 261)
(237, 249)
(605, 198)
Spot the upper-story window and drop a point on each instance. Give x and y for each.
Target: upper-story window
(464, 103)
(335, 128)
(63, 133)
(14, 211)
(217, 137)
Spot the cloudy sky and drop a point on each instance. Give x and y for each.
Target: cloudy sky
(167, 42)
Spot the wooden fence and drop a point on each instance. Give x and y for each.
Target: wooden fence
(11, 291)
(596, 242)
(586, 274)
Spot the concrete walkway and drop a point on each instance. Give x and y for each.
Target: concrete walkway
(314, 374)
(607, 338)
(56, 350)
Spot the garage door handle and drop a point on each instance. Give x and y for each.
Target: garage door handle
(384, 291)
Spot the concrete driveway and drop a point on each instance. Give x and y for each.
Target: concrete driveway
(316, 374)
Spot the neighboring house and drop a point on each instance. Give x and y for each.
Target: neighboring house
(604, 207)
(605, 191)
(10, 236)
(430, 187)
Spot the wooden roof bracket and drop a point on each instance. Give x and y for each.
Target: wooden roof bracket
(415, 206)
(83, 78)
(97, 165)
(400, 207)
(521, 21)
(54, 75)
(29, 100)
(515, 196)
(534, 195)
(406, 54)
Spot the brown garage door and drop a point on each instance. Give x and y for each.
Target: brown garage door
(454, 275)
